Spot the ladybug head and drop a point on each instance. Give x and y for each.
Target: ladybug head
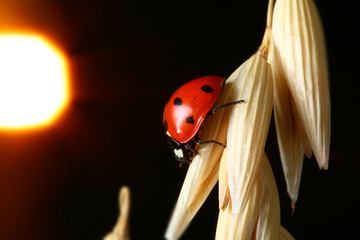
(183, 152)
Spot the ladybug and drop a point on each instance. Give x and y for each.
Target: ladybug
(185, 113)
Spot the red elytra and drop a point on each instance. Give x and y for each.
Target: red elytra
(187, 108)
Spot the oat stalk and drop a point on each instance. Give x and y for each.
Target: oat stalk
(121, 229)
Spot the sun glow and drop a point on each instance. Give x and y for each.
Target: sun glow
(33, 82)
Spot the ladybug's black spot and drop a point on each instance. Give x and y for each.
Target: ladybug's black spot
(177, 102)
(165, 126)
(190, 120)
(207, 89)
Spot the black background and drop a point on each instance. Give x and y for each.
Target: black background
(126, 58)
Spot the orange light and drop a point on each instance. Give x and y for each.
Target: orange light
(33, 82)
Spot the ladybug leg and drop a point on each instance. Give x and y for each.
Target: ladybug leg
(213, 111)
(198, 142)
(189, 158)
(195, 152)
(192, 149)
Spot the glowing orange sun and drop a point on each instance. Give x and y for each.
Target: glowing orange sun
(33, 82)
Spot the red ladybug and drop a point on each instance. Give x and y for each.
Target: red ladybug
(185, 113)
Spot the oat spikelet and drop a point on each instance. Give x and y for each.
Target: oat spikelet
(248, 126)
(260, 218)
(288, 132)
(300, 54)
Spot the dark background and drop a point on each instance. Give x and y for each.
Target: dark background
(126, 58)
